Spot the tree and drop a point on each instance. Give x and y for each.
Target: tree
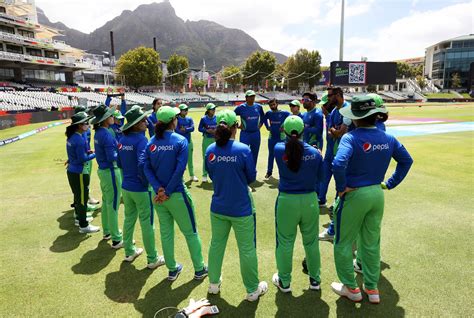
(257, 67)
(199, 84)
(141, 67)
(404, 70)
(233, 76)
(421, 81)
(307, 62)
(177, 64)
(455, 80)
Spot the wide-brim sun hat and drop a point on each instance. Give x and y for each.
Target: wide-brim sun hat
(80, 108)
(79, 118)
(118, 114)
(134, 116)
(101, 113)
(293, 123)
(166, 114)
(362, 106)
(377, 99)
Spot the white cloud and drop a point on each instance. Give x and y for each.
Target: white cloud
(409, 36)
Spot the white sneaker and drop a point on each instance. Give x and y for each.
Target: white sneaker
(261, 290)
(373, 294)
(194, 179)
(277, 282)
(204, 179)
(89, 229)
(117, 244)
(325, 236)
(131, 258)
(342, 290)
(159, 262)
(214, 289)
(93, 201)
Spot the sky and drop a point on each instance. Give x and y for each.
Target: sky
(380, 30)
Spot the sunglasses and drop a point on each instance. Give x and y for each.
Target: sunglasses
(307, 100)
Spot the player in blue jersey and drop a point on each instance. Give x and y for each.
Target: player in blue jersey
(207, 126)
(151, 120)
(295, 107)
(185, 127)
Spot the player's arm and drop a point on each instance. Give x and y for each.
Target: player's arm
(339, 165)
(404, 163)
(181, 161)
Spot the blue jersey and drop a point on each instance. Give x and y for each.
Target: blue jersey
(313, 127)
(165, 162)
(131, 153)
(188, 124)
(87, 137)
(308, 176)
(363, 157)
(251, 116)
(76, 148)
(380, 125)
(273, 120)
(205, 123)
(151, 122)
(105, 148)
(231, 169)
(115, 131)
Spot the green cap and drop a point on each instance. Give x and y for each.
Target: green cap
(377, 99)
(166, 114)
(362, 106)
(226, 116)
(324, 99)
(210, 106)
(101, 113)
(79, 118)
(118, 114)
(295, 103)
(134, 116)
(183, 106)
(293, 123)
(78, 109)
(250, 93)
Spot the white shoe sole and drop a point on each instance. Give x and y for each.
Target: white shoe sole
(276, 282)
(261, 290)
(131, 258)
(158, 263)
(353, 297)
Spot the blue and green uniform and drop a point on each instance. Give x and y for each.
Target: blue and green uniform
(165, 160)
(137, 197)
(273, 120)
(232, 207)
(297, 206)
(361, 162)
(252, 118)
(78, 174)
(205, 123)
(188, 124)
(110, 181)
(151, 122)
(313, 128)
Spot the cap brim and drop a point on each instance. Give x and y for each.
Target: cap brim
(130, 125)
(108, 114)
(349, 113)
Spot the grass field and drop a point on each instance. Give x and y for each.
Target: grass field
(441, 95)
(49, 269)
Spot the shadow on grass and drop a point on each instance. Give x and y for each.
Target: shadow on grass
(244, 309)
(256, 184)
(388, 306)
(309, 304)
(272, 182)
(95, 260)
(72, 238)
(205, 186)
(125, 285)
(163, 295)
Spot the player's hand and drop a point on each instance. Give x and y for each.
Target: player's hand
(66, 163)
(346, 190)
(183, 129)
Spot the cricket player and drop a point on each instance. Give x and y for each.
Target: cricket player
(207, 126)
(185, 127)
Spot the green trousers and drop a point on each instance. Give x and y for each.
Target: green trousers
(245, 235)
(293, 211)
(180, 208)
(138, 205)
(359, 218)
(111, 187)
(206, 142)
(79, 184)
(190, 158)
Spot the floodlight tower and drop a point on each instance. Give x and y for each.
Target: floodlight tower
(341, 40)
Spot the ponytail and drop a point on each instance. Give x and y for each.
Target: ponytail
(160, 129)
(70, 130)
(294, 151)
(223, 134)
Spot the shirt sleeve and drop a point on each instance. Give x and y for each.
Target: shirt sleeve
(249, 166)
(190, 128)
(81, 151)
(339, 165)
(404, 162)
(265, 119)
(141, 148)
(210, 171)
(262, 115)
(148, 170)
(107, 101)
(237, 110)
(201, 127)
(110, 147)
(151, 127)
(181, 162)
(123, 110)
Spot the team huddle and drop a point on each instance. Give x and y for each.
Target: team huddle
(147, 176)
